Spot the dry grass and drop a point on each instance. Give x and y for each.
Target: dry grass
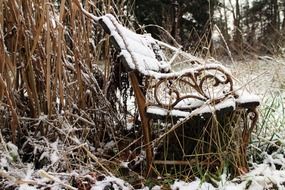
(51, 85)
(49, 65)
(56, 74)
(201, 147)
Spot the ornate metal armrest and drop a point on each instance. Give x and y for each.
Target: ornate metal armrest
(190, 88)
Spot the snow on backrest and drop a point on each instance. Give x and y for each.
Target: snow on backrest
(140, 52)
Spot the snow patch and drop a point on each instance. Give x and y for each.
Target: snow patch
(26, 187)
(246, 97)
(111, 183)
(197, 185)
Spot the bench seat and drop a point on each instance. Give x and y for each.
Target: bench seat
(201, 109)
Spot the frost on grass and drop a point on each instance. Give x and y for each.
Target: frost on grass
(262, 176)
(14, 174)
(269, 174)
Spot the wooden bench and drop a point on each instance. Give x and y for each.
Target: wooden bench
(194, 93)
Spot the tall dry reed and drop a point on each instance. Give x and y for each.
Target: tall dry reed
(49, 65)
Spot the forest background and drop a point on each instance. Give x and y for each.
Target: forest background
(248, 27)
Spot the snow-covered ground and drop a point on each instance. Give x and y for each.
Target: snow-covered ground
(264, 75)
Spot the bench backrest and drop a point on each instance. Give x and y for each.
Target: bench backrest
(138, 52)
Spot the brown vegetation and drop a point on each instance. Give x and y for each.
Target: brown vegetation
(49, 67)
(51, 83)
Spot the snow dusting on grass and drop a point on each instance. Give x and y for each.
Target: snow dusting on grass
(262, 176)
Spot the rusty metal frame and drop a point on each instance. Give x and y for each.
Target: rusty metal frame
(141, 102)
(250, 119)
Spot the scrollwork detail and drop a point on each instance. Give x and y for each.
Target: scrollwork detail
(202, 84)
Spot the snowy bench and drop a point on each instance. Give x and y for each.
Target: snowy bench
(197, 92)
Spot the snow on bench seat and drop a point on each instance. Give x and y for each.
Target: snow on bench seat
(196, 107)
(245, 99)
(228, 104)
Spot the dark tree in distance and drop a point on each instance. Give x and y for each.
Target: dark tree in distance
(188, 21)
(263, 21)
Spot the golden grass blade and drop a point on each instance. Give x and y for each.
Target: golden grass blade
(86, 34)
(1, 13)
(78, 56)
(2, 58)
(59, 67)
(14, 121)
(38, 29)
(48, 64)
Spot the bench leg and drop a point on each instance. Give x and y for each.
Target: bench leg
(252, 115)
(141, 102)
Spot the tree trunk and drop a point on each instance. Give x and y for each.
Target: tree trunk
(175, 20)
(238, 41)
